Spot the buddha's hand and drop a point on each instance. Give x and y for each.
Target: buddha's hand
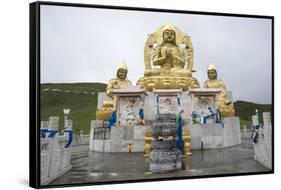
(169, 52)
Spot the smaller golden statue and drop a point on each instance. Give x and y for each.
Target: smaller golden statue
(121, 81)
(225, 105)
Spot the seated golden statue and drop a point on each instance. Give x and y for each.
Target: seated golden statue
(121, 81)
(225, 105)
(167, 64)
(168, 55)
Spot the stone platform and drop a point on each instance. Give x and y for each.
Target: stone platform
(203, 136)
(206, 136)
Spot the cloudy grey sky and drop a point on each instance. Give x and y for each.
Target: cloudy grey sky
(87, 44)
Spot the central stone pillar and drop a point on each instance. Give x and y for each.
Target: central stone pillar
(165, 154)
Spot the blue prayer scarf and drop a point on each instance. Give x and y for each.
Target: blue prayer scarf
(179, 122)
(112, 119)
(70, 138)
(52, 133)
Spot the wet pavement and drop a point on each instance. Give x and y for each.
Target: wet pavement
(90, 167)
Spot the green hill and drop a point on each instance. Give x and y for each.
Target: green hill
(244, 110)
(81, 98)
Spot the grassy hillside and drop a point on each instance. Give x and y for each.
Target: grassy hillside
(81, 98)
(244, 110)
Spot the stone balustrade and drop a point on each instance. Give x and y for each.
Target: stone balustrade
(55, 156)
(246, 133)
(263, 146)
(82, 139)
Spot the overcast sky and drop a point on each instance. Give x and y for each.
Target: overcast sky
(87, 44)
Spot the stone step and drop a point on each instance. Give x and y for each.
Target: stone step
(165, 145)
(166, 117)
(158, 131)
(164, 124)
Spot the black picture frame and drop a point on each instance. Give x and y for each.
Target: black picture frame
(34, 90)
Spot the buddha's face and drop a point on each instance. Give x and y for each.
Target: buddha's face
(122, 73)
(169, 36)
(212, 74)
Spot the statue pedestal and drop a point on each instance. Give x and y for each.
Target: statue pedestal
(128, 102)
(150, 105)
(202, 99)
(128, 133)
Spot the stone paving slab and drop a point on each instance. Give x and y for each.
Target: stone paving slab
(96, 167)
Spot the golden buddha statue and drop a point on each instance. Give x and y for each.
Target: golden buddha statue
(168, 55)
(168, 59)
(121, 81)
(225, 104)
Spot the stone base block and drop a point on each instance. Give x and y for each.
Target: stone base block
(211, 136)
(165, 167)
(119, 139)
(164, 161)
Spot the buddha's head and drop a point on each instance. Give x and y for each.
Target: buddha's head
(169, 36)
(122, 71)
(212, 72)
